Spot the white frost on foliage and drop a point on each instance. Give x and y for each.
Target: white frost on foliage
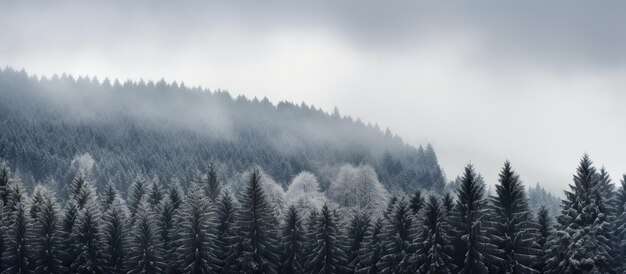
(274, 193)
(304, 193)
(358, 189)
(83, 163)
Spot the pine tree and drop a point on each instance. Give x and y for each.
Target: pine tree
(293, 243)
(76, 186)
(225, 235)
(311, 226)
(87, 233)
(155, 194)
(620, 223)
(472, 250)
(256, 225)
(115, 236)
(5, 177)
(81, 190)
(584, 241)
(136, 192)
(4, 230)
(606, 186)
(194, 238)
(514, 230)
(417, 202)
(15, 196)
(146, 254)
(447, 203)
(47, 250)
(433, 252)
(37, 200)
(16, 256)
(545, 232)
(69, 249)
(176, 194)
(328, 254)
(109, 195)
(372, 250)
(167, 220)
(213, 187)
(399, 233)
(358, 226)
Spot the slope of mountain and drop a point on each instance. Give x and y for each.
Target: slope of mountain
(167, 130)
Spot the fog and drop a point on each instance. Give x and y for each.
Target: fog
(536, 83)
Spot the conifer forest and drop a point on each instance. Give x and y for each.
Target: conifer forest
(205, 228)
(312, 137)
(215, 218)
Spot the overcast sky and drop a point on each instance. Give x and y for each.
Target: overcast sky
(536, 82)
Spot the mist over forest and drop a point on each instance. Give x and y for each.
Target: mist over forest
(167, 131)
(99, 176)
(314, 137)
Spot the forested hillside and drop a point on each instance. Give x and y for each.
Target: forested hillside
(165, 131)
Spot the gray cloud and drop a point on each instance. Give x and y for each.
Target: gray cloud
(554, 32)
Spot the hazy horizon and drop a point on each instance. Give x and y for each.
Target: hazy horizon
(482, 83)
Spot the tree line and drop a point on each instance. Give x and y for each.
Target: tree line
(208, 229)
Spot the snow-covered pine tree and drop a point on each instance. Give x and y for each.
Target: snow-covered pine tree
(37, 200)
(584, 241)
(472, 250)
(88, 237)
(76, 186)
(109, 194)
(258, 236)
(18, 237)
(145, 254)
(620, 224)
(213, 186)
(137, 190)
(609, 195)
(16, 194)
(606, 186)
(155, 194)
(399, 234)
(310, 225)
(176, 194)
(433, 242)
(417, 202)
(293, 243)
(68, 242)
(81, 190)
(5, 177)
(194, 238)
(328, 254)
(225, 234)
(4, 230)
(544, 223)
(46, 244)
(167, 220)
(359, 224)
(115, 236)
(372, 249)
(514, 231)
